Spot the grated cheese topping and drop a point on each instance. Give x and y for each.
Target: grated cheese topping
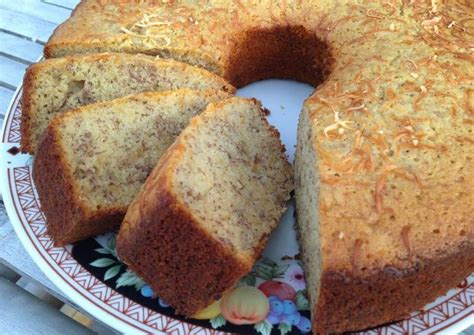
(149, 25)
(432, 22)
(338, 125)
(356, 108)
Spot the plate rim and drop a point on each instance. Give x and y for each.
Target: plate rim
(116, 320)
(13, 215)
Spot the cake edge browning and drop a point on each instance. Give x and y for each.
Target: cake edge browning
(50, 173)
(26, 108)
(396, 288)
(49, 51)
(347, 300)
(210, 268)
(55, 46)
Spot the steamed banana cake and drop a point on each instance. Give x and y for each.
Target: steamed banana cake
(209, 206)
(384, 166)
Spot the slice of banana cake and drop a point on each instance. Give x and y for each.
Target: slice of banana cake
(205, 213)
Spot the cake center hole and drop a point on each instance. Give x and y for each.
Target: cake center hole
(284, 52)
(299, 58)
(284, 99)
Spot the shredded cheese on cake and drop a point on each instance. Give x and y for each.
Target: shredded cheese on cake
(431, 22)
(166, 39)
(149, 25)
(356, 108)
(338, 125)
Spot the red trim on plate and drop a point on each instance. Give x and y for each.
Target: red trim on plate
(55, 270)
(19, 180)
(455, 321)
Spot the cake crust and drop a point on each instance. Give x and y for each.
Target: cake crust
(400, 291)
(210, 267)
(26, 105)
(51, 172)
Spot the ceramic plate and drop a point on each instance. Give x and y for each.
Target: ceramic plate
(90, 274)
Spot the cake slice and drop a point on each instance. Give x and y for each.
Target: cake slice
(55, 85)
(92, 161)
(205, 213)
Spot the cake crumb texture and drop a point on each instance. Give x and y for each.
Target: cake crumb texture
(56, 85)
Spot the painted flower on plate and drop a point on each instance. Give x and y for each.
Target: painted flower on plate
(295, 277)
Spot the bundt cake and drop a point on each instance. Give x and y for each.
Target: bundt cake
(205, 213)
(92, 161)
(384, 163)
(55, 85)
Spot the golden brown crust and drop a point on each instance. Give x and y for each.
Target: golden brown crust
(48, 50)
(348, 302)
(162, 241)
(51, 173)
(26, 107)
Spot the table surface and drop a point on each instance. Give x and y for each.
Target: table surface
(25, 26)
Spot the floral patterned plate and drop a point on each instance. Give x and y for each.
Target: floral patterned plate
(271, 298)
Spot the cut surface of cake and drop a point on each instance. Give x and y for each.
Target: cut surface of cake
(204, 214)
(55, 85)
(99, 156)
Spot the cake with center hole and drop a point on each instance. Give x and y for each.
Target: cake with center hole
(384, 167)
(204, 215)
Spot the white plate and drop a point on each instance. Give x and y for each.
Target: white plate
(448, 314)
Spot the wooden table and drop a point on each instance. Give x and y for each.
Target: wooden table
(25, 26)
